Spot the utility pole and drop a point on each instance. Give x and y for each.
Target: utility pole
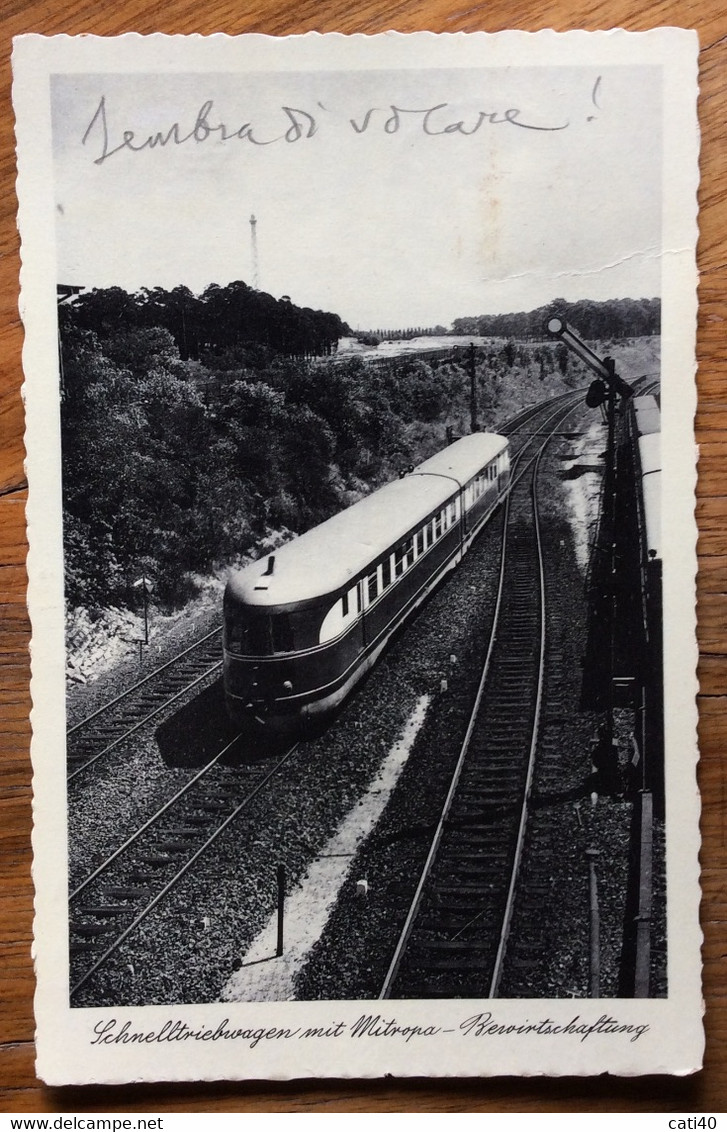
(253, 242)
(473, 386)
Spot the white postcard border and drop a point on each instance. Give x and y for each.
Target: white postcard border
(243, 1041)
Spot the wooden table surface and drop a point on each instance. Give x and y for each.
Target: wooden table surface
(20, 1091)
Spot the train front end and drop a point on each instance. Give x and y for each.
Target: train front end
(278, 673)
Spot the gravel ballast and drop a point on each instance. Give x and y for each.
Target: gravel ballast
(191, 945)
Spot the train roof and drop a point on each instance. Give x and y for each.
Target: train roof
(650, 453)
(652, 511)
(332, 555)
(648, 414)
(463, 459)
(650, 456)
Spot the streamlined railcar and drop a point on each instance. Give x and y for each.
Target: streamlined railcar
(646, 439)
(646, 443)
(303, 625)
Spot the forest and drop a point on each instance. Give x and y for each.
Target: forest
(186, 442)
(218, 319)
(614, 318)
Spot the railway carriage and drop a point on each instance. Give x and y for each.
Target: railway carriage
(646, 443)
(645, 425)
(303, 625)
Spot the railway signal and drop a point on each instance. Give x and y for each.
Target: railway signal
(604, 368)
(608, 389)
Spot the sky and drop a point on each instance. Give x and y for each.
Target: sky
(395, 199)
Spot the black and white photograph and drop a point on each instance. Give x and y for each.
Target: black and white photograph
(360, 390)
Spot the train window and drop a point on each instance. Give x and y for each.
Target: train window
(334, 623)
(438, 525)
(344, 603)
(282, 633)
(408, 551)
(398, 561)
(234, 631)
(372, 586)
(248, 632)
(386, 573)
(355, 595)
(306, 625)
(419, 542)
(451, 513)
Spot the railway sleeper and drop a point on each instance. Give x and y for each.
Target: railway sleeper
(494, 765)
(466, 964)
(139, 878)
(478, 847)
(523, 946)
(530, 905)
(88, 930)
(488, 796)
(481, 868)
(491, 762)
(517, 963)
(123, 892)
(475, 827)
(495, 819)
(452, 945)
(503, 732)
(495, 780)
(104, 911)
(489, 774)
(464, 892)
(173, 846)
(430, 990)
(492, 856)
(451, 919)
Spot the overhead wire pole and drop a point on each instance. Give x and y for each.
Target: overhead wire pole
(473, 387)
(253, 243)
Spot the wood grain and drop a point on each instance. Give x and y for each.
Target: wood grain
(19, 1089)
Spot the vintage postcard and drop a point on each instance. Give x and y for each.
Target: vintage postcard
(359, 375)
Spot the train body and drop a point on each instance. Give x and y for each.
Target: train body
(647, 440)
(303, 625)
(646, 447)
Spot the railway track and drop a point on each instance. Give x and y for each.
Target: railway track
(105, 729)
(123, 890)
(454, 938)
